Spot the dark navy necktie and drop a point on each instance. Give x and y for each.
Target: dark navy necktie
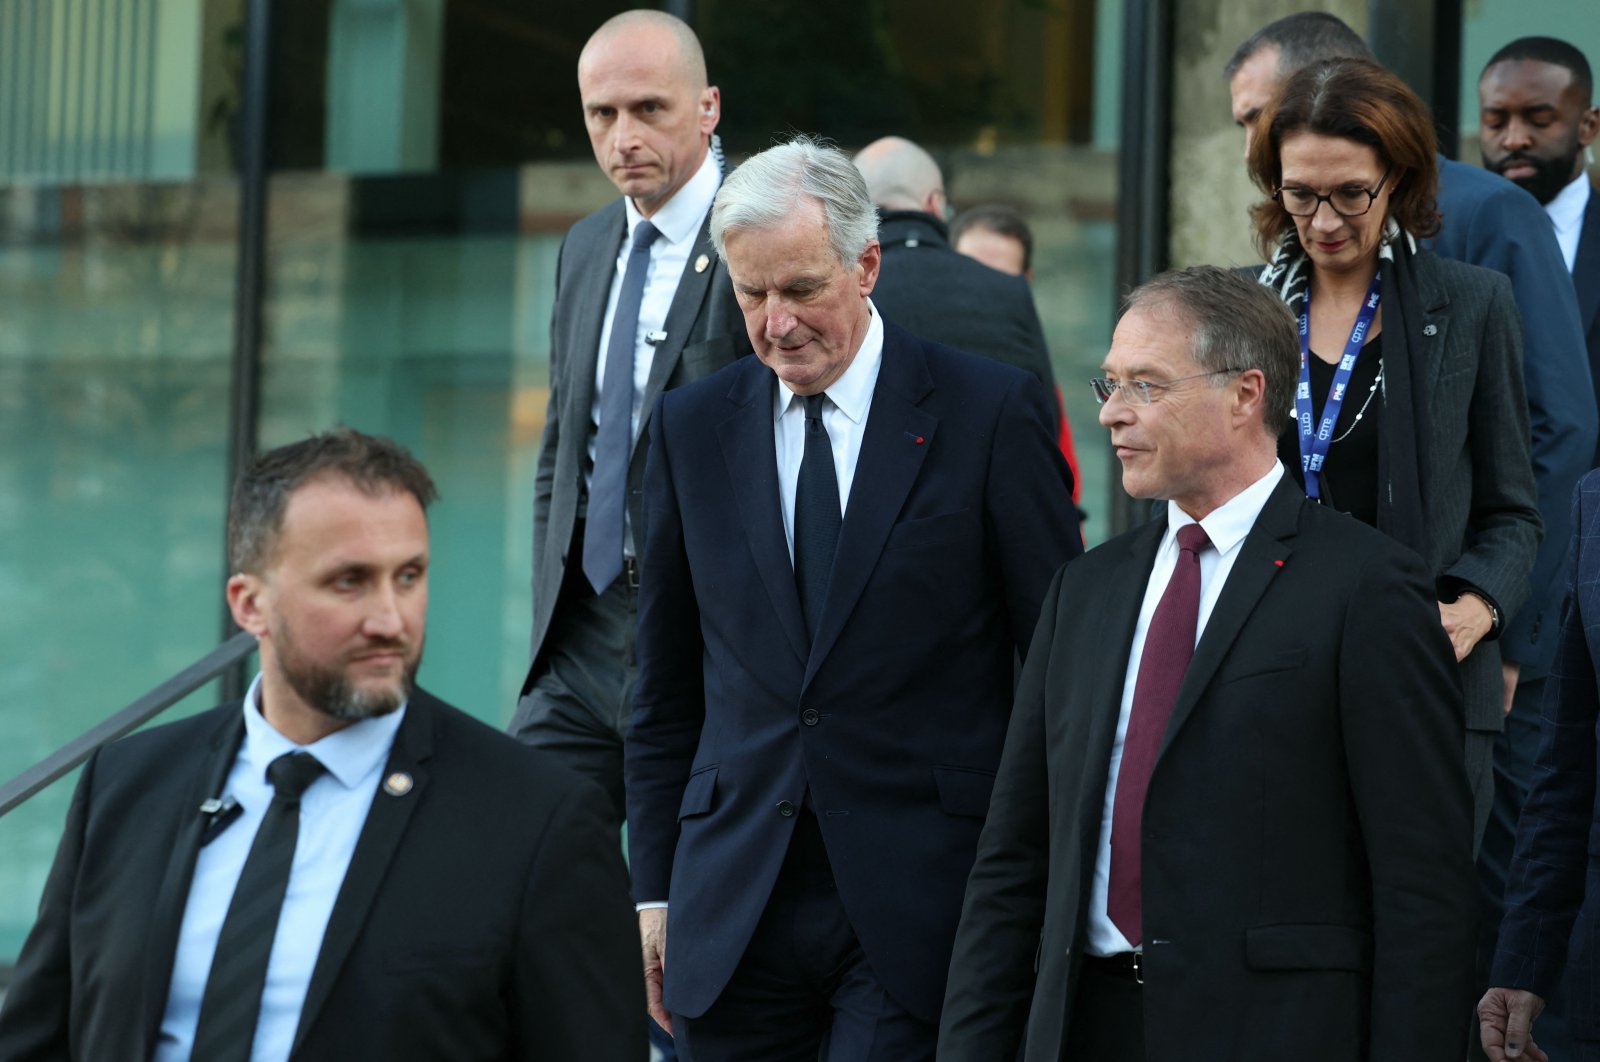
(613, 442)
(816, 515)
(232, 1000)
(1168, 648)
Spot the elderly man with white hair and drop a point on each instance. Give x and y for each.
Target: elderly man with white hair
(847, 538)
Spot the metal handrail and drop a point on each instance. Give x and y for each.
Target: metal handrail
(135, 715)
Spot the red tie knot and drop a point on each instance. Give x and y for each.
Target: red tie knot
(1192, 538)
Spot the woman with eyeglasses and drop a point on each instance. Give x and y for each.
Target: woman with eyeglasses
(1410, 413)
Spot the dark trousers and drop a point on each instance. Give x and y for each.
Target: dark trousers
(1514, 754)
(1107, 1017)
(803, 990)
(581, 700)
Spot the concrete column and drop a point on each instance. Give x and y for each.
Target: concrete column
(1211, 193)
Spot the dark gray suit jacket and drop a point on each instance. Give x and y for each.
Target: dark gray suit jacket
(705, 331)
(1481, 525)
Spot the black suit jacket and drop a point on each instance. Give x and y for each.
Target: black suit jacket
(705, 331)
(890, 723)
(484, 914)
(1552, 902)
(1307, 858)
(946, 297)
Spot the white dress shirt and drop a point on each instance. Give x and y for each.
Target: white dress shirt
(332, 814)
(1227, 527)
(679, 222)
(1566, 214)
(844, 414)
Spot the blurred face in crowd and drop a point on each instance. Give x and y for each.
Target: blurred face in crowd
(1185, 445)
(1320, 165)
(993, 249)
(1534, 124)
(805, 310)
(340, 607)
(648, 120)
(1252, 88)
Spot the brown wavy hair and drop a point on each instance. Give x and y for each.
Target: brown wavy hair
(1356, 100)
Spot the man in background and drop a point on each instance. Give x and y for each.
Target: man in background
(926, 287)
(1537, 120)
(1000, 238)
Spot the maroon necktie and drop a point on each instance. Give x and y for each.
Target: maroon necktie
(1168, 647)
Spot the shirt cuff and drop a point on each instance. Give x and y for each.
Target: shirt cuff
(651, 905)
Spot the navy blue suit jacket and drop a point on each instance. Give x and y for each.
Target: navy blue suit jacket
(1586, 278)
(890, 724)
(1552, 896)
(1490, 222)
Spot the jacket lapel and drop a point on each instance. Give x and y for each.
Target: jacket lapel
(592, 290)
(1269, 541)
(898, 437)
(380, 836)
(1586, 267)
(166, 920)
(751, 455)
(691, 294)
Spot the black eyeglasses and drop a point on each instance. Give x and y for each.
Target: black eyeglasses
(1350, 201)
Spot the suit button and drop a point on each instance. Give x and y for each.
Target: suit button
(785, 808)
(810, 717)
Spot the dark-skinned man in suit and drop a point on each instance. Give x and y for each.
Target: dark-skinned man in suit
(342, 866)
(1243, 827)
(846, 540)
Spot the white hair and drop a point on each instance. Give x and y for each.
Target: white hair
(764, 192)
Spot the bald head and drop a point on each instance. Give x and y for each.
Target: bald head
(646, 105)
(672, 38)
(902, 176)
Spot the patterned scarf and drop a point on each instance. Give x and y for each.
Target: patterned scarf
(1289, 272)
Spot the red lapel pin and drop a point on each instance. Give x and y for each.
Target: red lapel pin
(1278, 563)
(919, 440)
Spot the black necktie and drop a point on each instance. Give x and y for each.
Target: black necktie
(613, 437)
(816, 515)
(232, 1000)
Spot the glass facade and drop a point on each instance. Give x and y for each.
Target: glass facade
(426, 157)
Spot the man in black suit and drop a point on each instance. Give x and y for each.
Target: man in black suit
(614, 346)
(846, 540)
(1537, 122)
(928, 289)
(1231, 820)
(342, 866)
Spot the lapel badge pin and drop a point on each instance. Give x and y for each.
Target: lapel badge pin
(702, 263)
(397, 784)
(1278, 563)
(1430, 330)
(914, 437)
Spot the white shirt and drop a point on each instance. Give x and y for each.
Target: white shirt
(332, 814)
(679, 222)
(1566, 214)
(844, 414)
(1227, 527)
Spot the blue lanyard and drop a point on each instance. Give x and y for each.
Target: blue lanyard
(1314, 444)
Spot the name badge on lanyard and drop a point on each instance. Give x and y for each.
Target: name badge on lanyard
(1314, 443)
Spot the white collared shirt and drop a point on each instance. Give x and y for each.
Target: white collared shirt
(1566, 214)
(332, 814)
(1226, 526)
(679, 221)
(844, 415)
